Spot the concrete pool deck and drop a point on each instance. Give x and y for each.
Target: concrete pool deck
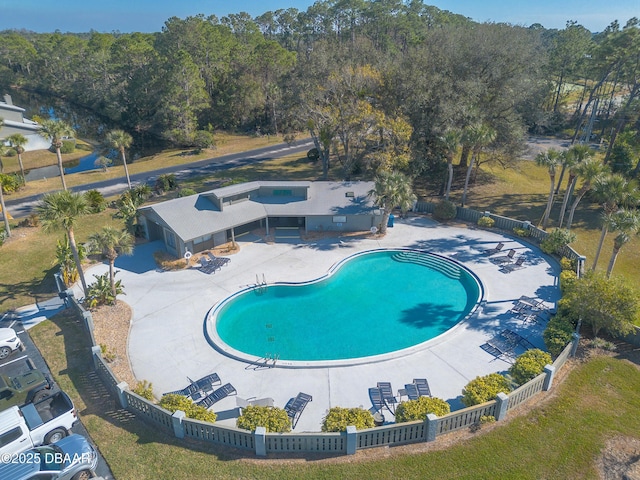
(167, 342)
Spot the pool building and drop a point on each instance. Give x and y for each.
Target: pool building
(284, 209)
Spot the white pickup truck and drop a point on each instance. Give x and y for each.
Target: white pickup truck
(33, 424)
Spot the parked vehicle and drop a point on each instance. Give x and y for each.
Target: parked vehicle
(34, 424)
(32, 386)
(72, 458)
(9, 342)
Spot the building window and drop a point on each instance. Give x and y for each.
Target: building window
(198, 240)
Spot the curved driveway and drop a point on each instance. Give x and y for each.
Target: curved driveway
(167, 342)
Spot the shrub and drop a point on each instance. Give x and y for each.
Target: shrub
(68, 146)
(521, 232)
(557, 240)
(167, 262)
(173, 402)
(445, 210)
(567, 279)
(568, 264)
(338, 419)
(419, 409)
(3, 236)
(558, 334)
(107, 354)
(529, 365)
(204, 139)
(33, 220)
(10, 182)
(100, 291)
(95, 201)
(483, 420)
(185, 192)
(483, 389)
(272, 418)
(144, 389)
(165, 183)
(486, 222)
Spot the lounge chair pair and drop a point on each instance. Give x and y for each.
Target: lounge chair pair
(494, 250)
(510, 267)
(382, 396)
(419, 388)
(296, 406)
(505, 343)
(199, 388)
(508, 258)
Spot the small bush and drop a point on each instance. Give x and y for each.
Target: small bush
(483, 389)
(521, 232)
(100, 292)
(165, 183)
(3, 236)
(272, 418)
(173, 402)
(482, 421)
(167, 262)
(338, 419)
(68, 146)
(603, 344)
(10, 183)
(107, 354)
(33, 220)
(95, 201)
(557, 240)
(445, 210)
(567, 279)
(185, 192)
(419, 409)
(486, 222)
(568, 264)
(144, 389)
(558, 334)
(529, 365)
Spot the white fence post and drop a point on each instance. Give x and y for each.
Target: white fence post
(260, 440)
(96, 353)
(550, 372)
(432, 427)
(177, 420)
(502, 404)
(122, 398)
(352, 437)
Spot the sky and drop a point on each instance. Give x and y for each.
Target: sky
(149, 15)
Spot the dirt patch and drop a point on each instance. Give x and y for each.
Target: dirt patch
(620, 459)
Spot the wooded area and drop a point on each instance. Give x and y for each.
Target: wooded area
(386, 83)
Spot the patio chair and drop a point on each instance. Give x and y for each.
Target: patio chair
(492, 349)
(388, 397)
(530, 302)
(411, 390)
(516, 339)
(508, 258)
(510, 267)
(217, 395)
(296, 406)
(375, 395)
(495, 249)
(207, 383)
(218, 260)
(185, 392)
(423, 387)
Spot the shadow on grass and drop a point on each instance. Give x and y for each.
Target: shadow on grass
(14, 295)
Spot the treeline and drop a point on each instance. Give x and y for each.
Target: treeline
(377, 83)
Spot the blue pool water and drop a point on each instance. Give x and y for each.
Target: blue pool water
(373, 304)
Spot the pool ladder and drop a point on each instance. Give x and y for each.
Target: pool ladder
(261, 285)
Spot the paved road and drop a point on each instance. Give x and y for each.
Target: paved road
(24, 206)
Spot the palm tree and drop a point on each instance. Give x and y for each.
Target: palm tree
(112, 242)
(61, 211)
(392, 189)
(56, 130)
(574, 156)
(5, 214)
(589, 170)
(625, 222)
(549, 159)
(478, 137)
(613, 191)
(18, 141)
(119, 139)
(450, 142)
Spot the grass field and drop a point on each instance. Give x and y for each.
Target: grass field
(560, 439)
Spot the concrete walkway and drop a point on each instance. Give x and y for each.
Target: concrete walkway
(167, 342)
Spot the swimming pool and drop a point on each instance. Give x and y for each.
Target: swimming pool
(368, 306)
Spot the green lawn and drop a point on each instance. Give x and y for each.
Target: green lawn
(558, 440)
